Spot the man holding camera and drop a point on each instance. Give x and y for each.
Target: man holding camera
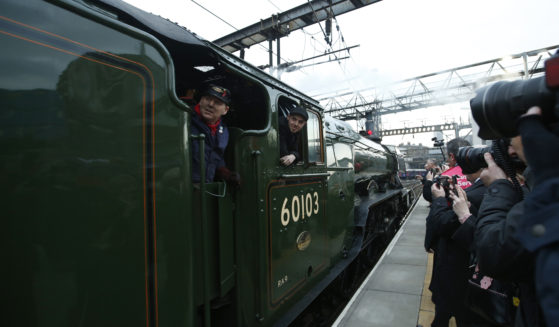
(498, 251)
(454, 169)
(448, 283)
(450, 268)
(539, 228)
(519, 241)
(452, 149)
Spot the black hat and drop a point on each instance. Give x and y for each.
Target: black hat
(299, 111)
(219, 92)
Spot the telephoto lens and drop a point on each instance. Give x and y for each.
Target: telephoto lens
(496, 107)
(470, 158)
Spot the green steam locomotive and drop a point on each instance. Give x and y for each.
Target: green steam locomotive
(102, 224)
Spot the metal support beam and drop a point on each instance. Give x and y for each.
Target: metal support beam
(286, 22)
(278, 57)
(270, 53)
(425, 129)
(435, 89)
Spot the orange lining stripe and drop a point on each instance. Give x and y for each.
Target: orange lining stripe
(143, 138)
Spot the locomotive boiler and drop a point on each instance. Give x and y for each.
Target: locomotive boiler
(103, 225)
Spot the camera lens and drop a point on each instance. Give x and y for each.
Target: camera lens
(497, 106)
(470, 158)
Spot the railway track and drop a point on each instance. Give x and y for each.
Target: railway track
(325, 309)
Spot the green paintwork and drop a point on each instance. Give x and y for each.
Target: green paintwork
(95, 169)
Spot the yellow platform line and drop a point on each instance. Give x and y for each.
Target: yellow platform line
(427, 307)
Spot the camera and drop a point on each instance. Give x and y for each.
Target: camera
(496, 107)
(470, 158)
(437, 142)
(444, 182)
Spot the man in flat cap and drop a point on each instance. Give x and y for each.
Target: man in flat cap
(213, 105)
(290, 134)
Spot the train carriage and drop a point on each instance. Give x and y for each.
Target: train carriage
(103, 224)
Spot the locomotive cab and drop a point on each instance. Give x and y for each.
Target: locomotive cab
(269, 236)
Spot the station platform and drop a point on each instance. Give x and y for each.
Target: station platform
(396, 292)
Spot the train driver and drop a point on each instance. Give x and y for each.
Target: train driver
(213, 105)
(290, 135)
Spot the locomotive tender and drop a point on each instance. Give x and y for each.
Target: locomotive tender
(103, 226)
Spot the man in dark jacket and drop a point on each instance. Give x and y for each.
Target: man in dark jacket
(290, 134)
(465, 205)
(206, 120)
(539, 228)
(452, 150)
(450, 271)
(499, 253)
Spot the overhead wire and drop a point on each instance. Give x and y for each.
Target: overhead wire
(236, 29)
(313, 44)
(305, 33)
(273, 4)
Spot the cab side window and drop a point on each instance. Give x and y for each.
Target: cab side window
(344, 155)
(330, 155)
(314, 136)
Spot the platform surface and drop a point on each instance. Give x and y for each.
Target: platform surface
(392, 293)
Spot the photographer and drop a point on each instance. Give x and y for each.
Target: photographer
(450, 268)
(505, 231)
(432, 170)
(452, 150)
(539, 229)
(465, 205)
(499, 253)
(431, 167)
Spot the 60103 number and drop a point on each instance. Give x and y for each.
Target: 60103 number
(300, 207)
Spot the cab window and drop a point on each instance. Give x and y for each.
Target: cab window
(314, 136)
(330, 155)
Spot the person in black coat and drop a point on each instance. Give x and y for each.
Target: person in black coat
(450, 271)
(207, 120)
(290, 134)
(465, 206)
(499, 252)
(539, 228)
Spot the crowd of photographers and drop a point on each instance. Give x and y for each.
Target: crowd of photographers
(493, 227)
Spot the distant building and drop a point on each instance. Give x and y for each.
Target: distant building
(417, 155)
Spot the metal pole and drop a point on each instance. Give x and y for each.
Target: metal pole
(204, 221)
(525, 60)
(278, 58)
(270, 52)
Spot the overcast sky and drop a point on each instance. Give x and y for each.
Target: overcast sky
(397, 39)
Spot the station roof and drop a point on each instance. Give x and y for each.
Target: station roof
(291, 20)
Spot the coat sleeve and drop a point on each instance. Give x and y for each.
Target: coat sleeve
(464, 235)
(427, 191)
(442, 221)
(499, 252)
(289, 143)
(539, 232)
